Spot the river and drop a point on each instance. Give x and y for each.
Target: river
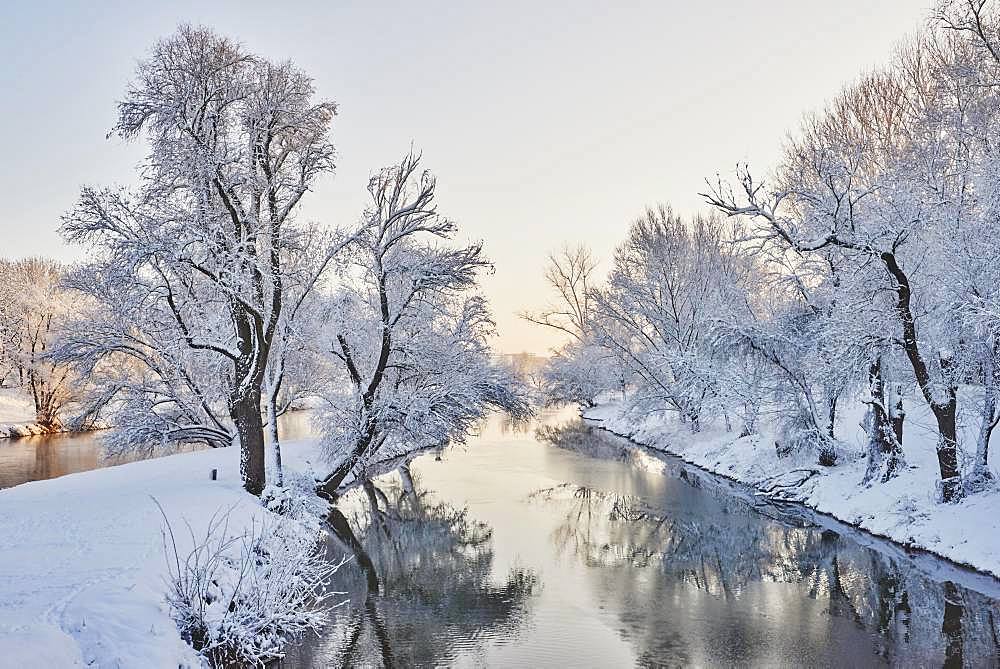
(559, 545)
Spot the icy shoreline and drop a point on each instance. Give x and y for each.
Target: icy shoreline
(903, 510)
(23, 430)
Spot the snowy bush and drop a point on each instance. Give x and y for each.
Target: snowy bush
(798, 432)
(296, 500)
(579, 373)
(239, 596)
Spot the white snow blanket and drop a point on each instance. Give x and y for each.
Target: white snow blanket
(82, 567)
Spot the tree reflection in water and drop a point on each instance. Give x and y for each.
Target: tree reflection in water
(719, 544)
(422, 588)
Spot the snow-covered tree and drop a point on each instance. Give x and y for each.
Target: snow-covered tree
(971, 276)
(297, 368)
(570, 274)
(669, 283)
(408, 333)
(580, 372)
(193, 260)
(881, 178)
(34, 307)
(146, 380)
(582, 369)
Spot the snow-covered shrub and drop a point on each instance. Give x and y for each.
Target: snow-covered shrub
(579, 373)
(799, 433)
(239, 596)
(296, 499)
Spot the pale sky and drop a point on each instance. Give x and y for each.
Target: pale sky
(546, 123)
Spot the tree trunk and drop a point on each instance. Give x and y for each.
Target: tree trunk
(328, 488)
(831, 413)
(947, 450)
(409, 489)
(885, 429)
(946, 415)
(981, 476)
(897, 416)
(245, 413)
(944, 412)
(272, 426)
(245, 395)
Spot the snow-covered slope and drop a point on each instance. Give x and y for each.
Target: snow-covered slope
(903, 509)
(82, 566)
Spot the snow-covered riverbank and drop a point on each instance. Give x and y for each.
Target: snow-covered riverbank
(17, 416)
(904, 509)
(82, 567)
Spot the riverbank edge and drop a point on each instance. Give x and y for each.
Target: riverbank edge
(909, 546)
(27, 430)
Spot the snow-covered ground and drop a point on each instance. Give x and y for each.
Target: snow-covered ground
(82, 566)
(903, 509)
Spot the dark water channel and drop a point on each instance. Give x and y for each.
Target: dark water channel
(567, 547)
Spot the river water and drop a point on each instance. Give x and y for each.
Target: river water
(559, 545)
